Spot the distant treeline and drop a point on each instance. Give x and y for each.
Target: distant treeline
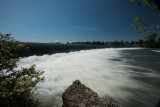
(151, 42)
(51, 48)
(115, 43)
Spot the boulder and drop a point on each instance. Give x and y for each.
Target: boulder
(78, 95)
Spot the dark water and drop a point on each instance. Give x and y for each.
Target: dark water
(144, 67)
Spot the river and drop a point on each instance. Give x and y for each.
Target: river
(128, 76)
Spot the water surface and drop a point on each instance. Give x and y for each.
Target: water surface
(128, 76)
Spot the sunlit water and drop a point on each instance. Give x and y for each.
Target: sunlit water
(128, 76)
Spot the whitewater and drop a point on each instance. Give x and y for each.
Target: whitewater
(105, 71)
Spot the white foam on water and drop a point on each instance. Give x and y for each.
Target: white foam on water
(156, 50)
(92, 67)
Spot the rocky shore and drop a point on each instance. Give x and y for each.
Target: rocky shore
(78, 95)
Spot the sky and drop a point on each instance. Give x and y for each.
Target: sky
(69, 20)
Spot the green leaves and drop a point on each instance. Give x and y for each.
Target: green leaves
(16, 86)
(138, 19)
(145, 3)
(136, 1)
(149, 28)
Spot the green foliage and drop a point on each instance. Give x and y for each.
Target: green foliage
(150, 40)
(147, 3)
(16, 86)
(140, 42)
(151, 28)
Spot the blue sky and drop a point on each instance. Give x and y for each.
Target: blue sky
(69, 20)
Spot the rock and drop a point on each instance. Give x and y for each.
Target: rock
(78, 95)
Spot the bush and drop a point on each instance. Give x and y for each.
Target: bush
(16, 86)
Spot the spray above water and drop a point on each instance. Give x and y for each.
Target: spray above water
(103, 70)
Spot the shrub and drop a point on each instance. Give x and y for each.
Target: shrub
(16, 85)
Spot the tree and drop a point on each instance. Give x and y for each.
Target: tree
(150, 27)
(16, 86)
(140, 42)
(67, 42)
(122, 42)
(150, 40)
(158, 42)
(132, 42)
(153, 27)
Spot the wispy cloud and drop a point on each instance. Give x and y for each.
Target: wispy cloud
(83, 28)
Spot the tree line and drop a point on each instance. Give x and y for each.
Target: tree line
(151, 41)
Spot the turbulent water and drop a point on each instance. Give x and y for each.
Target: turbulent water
(128, 76)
